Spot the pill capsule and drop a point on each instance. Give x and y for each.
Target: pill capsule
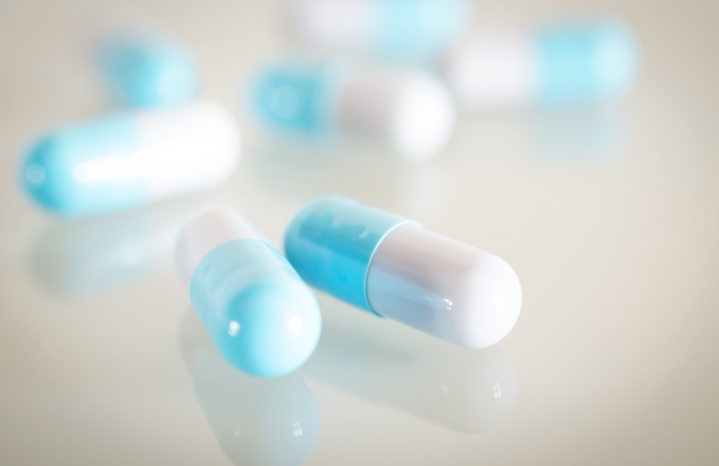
(409, 109)
(392, 267)
(132, 158)
(142, 69)
(411, 29)
(263, 319)
(554, 65)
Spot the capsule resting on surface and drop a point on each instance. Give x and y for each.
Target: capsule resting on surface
(132, 158)
(392, 267)
(262, 317)
(409, 109)
(145, 70)
(561, 64)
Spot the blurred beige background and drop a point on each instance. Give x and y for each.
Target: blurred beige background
(610, 219)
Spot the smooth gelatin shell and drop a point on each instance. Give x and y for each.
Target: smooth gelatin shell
(64, 171)
(262, 317)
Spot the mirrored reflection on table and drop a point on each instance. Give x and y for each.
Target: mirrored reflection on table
(590, 135)
(257, 421)
(465, 390)
(79, 258)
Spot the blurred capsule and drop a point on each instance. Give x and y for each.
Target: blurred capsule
(556, 65)
(272, 422)
(143, 69)
(260, 314)
(411, 29)
(132, 158)
(409, 109)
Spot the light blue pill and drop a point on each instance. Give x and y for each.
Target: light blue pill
(586, 62)
(141, 70)
(263, 319)
(296, 98)
(70, 171)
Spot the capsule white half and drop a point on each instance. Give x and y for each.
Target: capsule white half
(132, 158)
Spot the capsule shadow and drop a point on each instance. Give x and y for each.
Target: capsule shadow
(257, 421)
(385, 363)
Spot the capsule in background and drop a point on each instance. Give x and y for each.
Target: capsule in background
(132, 158)
(409, 109)
(561, 64)
(392, 267)
(262, 317)
(401, 29)
(144, 69)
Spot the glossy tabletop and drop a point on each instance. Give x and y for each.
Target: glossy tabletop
(609, 217)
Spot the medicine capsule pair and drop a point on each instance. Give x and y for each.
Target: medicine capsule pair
(263, 318)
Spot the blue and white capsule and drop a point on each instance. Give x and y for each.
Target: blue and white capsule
(392, 267)
(146, 70)
(398, 29)
(408, 109)
(262, 317)
(130, 159)
(555, 65)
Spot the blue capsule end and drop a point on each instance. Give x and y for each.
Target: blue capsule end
(586, 63)
(263, 319)
(145, 72)
(71, 173)
(330, 243)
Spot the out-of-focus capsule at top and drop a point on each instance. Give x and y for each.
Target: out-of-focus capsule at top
(132, 158)
(145, 69)
(555, 65)
(410, 109)
(392, 267)
(401, 29)
(260, 314)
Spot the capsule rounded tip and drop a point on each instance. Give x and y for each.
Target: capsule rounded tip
(270, 328)
(491, 303)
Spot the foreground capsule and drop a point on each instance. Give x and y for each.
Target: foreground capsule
(142, 69)
(555, 65)
(392, 267)
(412, 29)
(132, 158)
(410, 109)
(262, 317)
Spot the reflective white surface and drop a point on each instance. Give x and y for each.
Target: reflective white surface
(610, 220)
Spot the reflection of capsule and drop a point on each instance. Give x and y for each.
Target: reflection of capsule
(409, 109)
(86, 256)
(392, 267)
(469, 391)
(262, 317)
(411, 29)
(131, 159)
(256, 421)
(558, 64)
(144, 69)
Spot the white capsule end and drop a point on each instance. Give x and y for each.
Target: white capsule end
(443, 287)
(206, 229)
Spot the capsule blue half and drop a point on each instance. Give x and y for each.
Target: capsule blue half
(143, 70)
